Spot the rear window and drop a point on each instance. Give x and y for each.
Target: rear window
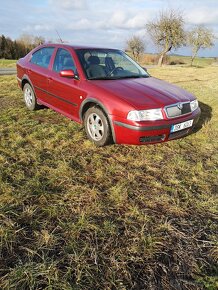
(42, 56)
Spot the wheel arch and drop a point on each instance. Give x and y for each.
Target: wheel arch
(91, 102)
(26, 80)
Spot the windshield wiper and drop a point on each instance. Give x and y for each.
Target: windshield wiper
(119, 77)
(132, 77)
(103, 78)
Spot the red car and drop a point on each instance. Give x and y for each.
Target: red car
(113, 96)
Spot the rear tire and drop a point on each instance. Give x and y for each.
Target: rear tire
(97, 126)
(30, 98)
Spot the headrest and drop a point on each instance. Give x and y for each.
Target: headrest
(94, 60)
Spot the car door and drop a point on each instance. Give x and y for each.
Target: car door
(38, 72)
(64, 92)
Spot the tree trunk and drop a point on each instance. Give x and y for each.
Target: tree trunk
(162, 55)
(160, 61)
(193, 56)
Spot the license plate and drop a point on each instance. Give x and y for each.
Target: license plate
(181, 126)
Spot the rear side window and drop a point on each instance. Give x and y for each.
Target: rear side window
(42, 56)
(63, 61)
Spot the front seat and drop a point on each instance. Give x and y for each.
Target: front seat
(94, 69)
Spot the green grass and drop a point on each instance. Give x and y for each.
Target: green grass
(152, 59)
(7, 63)
(73, 216)
(198, 61)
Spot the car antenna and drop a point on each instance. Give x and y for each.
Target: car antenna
(59, 36)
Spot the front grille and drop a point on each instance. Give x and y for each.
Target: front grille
(177, 110)
(156, 138)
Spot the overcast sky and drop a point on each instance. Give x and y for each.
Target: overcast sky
(107, 23)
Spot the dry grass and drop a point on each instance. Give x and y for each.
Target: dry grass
(74, 216)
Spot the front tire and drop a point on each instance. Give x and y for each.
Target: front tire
(97, 127)
(30, 98)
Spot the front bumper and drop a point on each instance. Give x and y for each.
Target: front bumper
(150, 132)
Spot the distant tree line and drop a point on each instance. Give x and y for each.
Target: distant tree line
(14, 49)
(167, 32)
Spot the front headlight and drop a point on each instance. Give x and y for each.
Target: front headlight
(145, 115)
(194, 105)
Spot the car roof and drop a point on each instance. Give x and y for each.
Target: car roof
(76, 46)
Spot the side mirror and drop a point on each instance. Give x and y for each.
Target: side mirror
(145, 69)
(68, 73)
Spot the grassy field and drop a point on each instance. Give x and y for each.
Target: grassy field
(186, 60)
(6, 63)
(73, 216)
(152, 59)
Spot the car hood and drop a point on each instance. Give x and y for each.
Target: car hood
(145, 92)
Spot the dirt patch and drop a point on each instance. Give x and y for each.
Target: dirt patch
(8, 103)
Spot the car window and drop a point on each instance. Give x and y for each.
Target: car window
(42, 56)
(63, 61)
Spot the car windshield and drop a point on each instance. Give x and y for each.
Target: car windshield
(107, 64)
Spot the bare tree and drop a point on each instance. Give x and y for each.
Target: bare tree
(38, 40)
(26, 39)
(30, 41)
(167, 32)
(136, 45)
(200, 37)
